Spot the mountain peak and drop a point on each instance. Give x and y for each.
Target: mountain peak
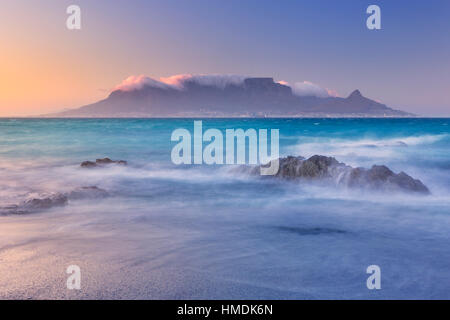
(355, 94)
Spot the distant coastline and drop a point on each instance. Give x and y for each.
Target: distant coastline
(207, 117)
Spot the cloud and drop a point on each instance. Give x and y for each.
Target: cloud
(179, 82)
(307, 88)
(332, 92)
(220, 81)
(284, 83)
(137, 82)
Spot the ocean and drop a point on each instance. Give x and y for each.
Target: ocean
(167, 231)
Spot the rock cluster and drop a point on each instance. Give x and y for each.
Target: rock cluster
(378, 177)
(102, 162)
(43, 201)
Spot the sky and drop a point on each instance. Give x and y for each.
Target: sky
(45, 67)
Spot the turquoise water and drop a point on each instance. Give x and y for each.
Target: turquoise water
(204, 232)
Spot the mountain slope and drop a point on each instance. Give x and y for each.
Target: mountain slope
(251, 97)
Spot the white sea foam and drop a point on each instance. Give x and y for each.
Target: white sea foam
(365, 148)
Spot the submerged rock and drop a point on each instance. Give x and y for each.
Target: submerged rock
(329, 169)
(88, 164)
(102, 162)
(311, 231)
(400, 144)
(109, 161)
(42, 201)
(90, 192)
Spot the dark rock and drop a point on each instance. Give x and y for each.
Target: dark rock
(324, 168)
(88, 164)
(378, 174)
(102, 162)
(289, 166)
(314, 167)
(405, 181)
(11, 209)
(39, 202)
(381, 177)
(45, 201)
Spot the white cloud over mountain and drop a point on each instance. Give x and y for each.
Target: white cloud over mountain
(178, 81)
(307, 88)
(220, 81)
(138, 82)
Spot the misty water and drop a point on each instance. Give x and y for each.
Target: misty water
(204, 232)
